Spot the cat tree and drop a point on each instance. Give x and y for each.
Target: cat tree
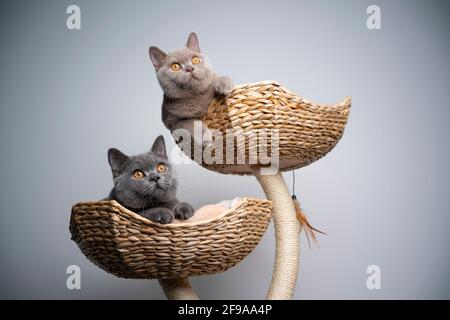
(125, 244)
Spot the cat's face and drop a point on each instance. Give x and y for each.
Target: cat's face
(145, 179)
(182, 71)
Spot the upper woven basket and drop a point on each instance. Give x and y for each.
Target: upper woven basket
(127, 245)
(305, 131)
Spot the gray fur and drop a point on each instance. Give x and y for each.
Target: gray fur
(187, 94)
(154, 196)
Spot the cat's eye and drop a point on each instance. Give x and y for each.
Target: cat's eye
(195, 60)
(138, 174)
(161, 167)
(175, 66)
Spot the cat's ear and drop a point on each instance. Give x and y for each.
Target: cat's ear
(116, 160)
(159, 147)
(157, 56)
(192, 42)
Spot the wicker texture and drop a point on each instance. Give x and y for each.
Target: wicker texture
(307, 131)
(127, 245)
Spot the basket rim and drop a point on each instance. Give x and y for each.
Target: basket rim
(117, 205)
(345, 101)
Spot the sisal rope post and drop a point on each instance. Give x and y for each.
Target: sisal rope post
(287, 227)
(178, 289)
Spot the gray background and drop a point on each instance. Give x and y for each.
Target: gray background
(382, 195)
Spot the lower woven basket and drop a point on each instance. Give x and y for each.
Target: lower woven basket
(127, 245)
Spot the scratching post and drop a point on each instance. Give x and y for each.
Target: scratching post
(287, 247)
(178, 289)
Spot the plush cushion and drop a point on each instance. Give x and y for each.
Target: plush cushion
(210, 211)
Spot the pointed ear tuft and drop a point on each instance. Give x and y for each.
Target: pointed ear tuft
(192, 42)
(159, 147)
(157, 56)
(117, 160)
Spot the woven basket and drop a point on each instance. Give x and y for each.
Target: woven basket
(127, 245)
(306, 131)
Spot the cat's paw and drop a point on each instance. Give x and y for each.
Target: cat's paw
(223, 86)
(183, 211)
(160, 215)
(207, 137)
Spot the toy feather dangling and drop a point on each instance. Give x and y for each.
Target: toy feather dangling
(304, 223)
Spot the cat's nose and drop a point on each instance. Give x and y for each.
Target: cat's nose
(154, 177)
(189, 69)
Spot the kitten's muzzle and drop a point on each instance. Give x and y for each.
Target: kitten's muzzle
(189, 69)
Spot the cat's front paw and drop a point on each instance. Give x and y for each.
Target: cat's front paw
(160, 215)
(207, 137)
(183, 211)
(223, 86)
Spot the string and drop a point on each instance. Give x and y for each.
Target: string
(293, 182)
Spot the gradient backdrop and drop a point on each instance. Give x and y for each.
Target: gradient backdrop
(382, 195)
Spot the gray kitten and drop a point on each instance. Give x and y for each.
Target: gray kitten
(146, 184)
(189, 84)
